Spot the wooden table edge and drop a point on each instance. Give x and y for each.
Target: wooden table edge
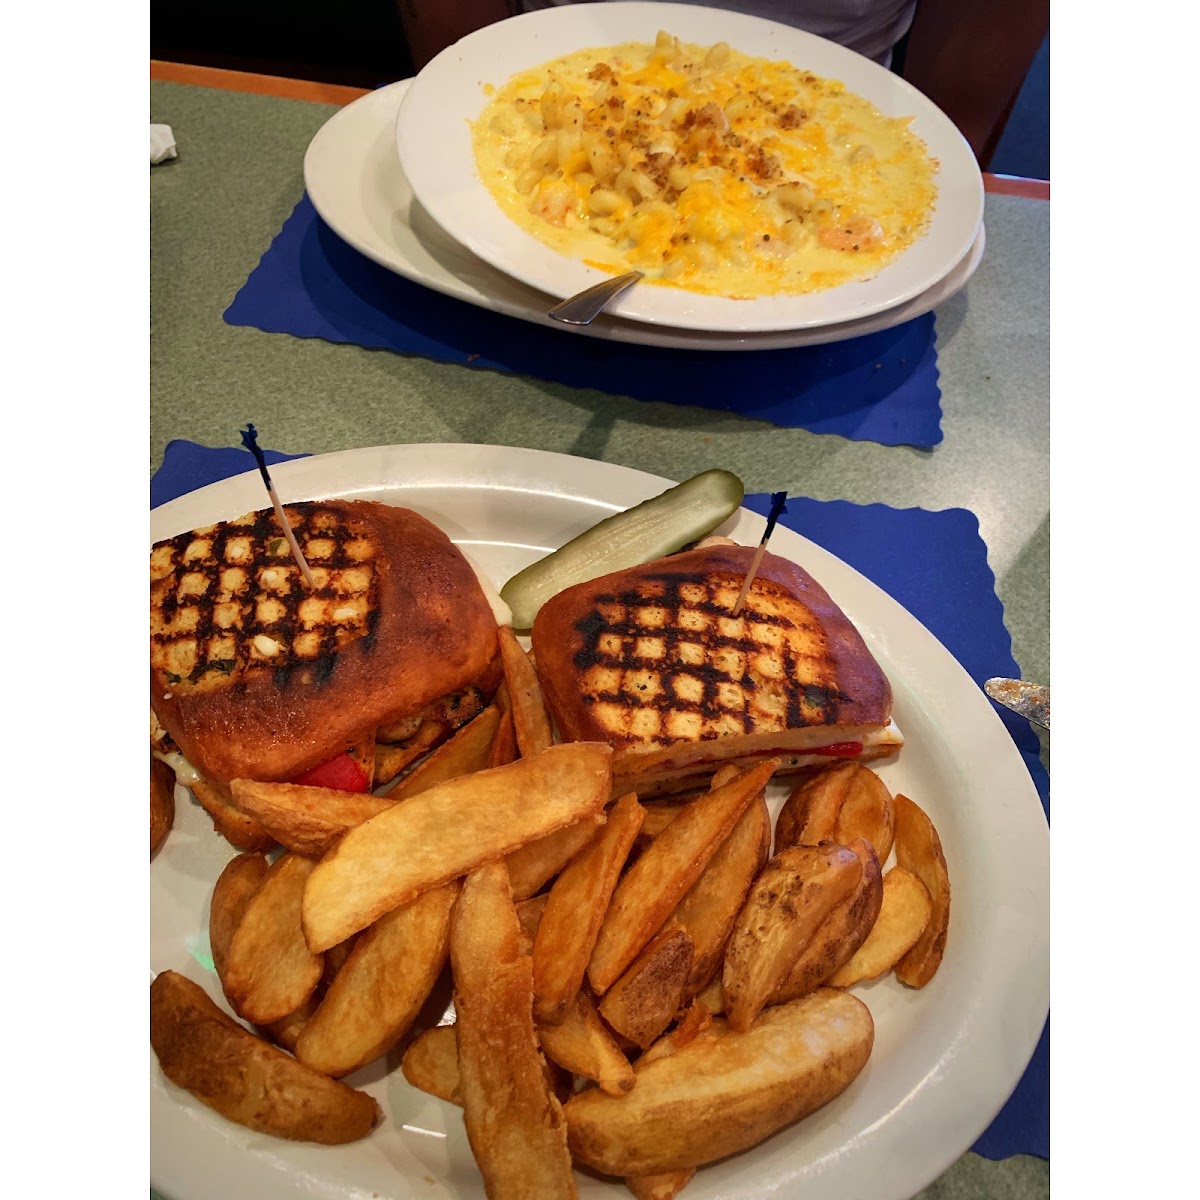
(334, 93)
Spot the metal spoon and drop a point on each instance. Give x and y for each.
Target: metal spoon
(586, 306)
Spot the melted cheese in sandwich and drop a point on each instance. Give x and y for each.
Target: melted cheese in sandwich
(705, 168)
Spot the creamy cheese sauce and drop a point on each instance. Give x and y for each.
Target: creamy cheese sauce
(705, 168)
(185, 773)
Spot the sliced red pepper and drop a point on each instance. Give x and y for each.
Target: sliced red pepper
(342, 773)
(840, 749)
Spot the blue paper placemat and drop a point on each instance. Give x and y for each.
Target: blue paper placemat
(935, 565)
(879, 388)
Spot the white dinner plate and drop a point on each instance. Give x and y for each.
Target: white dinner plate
(433, 137)
(945, 1057)
(355, 182)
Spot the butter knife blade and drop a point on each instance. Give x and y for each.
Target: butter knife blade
(1030, 700)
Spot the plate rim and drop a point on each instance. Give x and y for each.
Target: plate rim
(520, 469)
(532, 309)
(459, 201)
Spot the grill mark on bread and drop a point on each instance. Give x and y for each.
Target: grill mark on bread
(230, 599)
(672, 596)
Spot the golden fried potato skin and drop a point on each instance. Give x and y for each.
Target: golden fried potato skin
(162, 802)
(919, 850)
(785, 907)
(431, 1063)
(838, 803)
(269, 969)
(448, 831)
(841, 934)
(239, 830)
(305, 819)
(379, 991)
(723, 1091)
(904, 913)
(244, 1078)
(239, 880)
(650, 890)
(514, 1121)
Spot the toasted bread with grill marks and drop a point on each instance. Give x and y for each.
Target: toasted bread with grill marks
(257, 676)
(652, 661)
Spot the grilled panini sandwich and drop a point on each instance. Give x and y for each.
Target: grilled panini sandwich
(652, 661)
(255, 675)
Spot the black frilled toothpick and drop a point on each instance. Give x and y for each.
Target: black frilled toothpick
(778, 508)
(250, 441)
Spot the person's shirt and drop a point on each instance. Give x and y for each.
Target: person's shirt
(871, 27)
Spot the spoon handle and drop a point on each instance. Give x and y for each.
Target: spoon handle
(586, 306)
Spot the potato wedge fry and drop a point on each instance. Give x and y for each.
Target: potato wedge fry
(837, 803)
(644, 1001)
(514, 1122)
(239, 830)
(695, 1020)
(795, 892)
(286, 1032)
(307, 820)
(659, 816)
(713, 902)
(841, 933)
(438, 835)
(712, 998)
(379, 991)
(575, 909)
(240, 879)
(661, 877)
(529, 913)
(531, 866)
(531, 722)
(244, 1078)
(504, 746)
(724, 1091)
(269, 969)
(162, 802)
(430, 1063)
(903, 916)
(580, 1043)
(466, 752)
(664, 1186)
(919, 850)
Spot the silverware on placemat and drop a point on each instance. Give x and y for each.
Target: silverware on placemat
(584, 307)
(1031, 700)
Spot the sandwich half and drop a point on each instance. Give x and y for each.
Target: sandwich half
(653, 661)
(255, 675)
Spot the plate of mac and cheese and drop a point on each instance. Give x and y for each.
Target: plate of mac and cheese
(761, 178)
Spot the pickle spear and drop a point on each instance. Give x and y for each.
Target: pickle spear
(650, 530)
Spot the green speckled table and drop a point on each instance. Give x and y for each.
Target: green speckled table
(215, 209)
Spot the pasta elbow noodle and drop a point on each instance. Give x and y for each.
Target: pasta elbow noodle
(717, 56)
(604, 202)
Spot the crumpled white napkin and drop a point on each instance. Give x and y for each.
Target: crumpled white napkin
(162, 144)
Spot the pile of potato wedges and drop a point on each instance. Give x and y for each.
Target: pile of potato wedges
(639, 989)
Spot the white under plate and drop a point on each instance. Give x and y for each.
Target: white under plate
(433, 137)
(354, 179)
(945, 1058)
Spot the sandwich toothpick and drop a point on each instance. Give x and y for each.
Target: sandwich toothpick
(778, 508)
(250, 441)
